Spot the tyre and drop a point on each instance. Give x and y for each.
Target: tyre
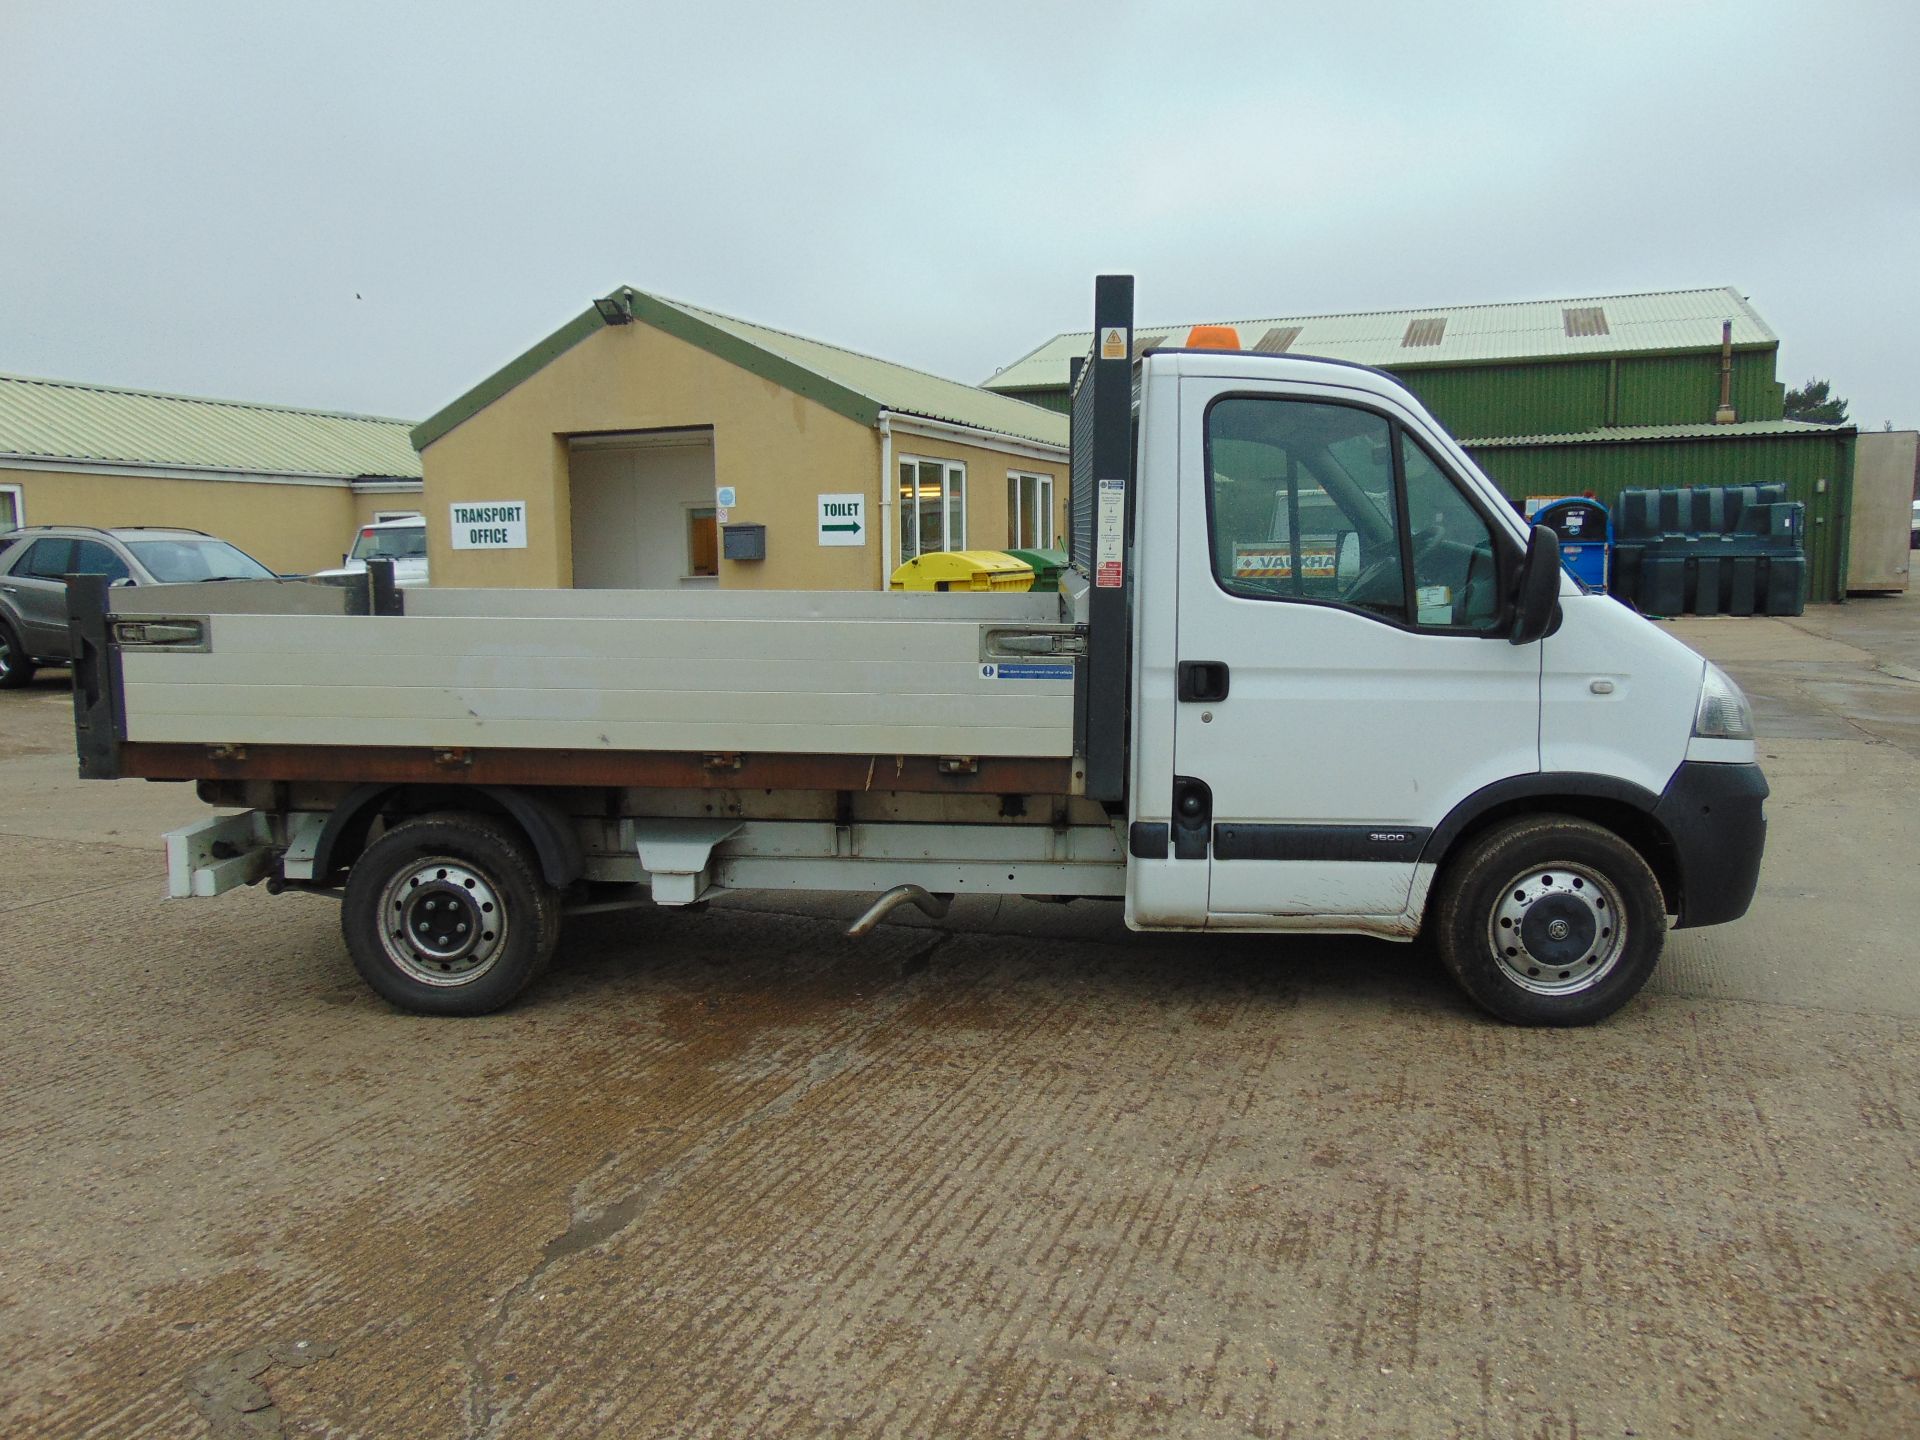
(1549, 920)
(448, 914)
(16, 666)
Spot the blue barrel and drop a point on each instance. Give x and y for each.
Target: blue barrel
(1586, 537)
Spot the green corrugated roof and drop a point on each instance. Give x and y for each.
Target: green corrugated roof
(1615, 434)
(856, 385)
(1661, 321)
(68, 420)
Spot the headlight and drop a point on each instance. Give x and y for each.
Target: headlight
(1723, 713)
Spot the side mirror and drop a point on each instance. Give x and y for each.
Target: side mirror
(1536, 602)
(123, 582)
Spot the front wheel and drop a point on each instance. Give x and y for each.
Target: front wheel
(1550, 920)
(448, 914)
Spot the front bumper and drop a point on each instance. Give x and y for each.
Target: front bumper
(1715, 816)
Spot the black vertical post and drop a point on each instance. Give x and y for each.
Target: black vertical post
(1108, 456)
(99, 709)
(383, 593)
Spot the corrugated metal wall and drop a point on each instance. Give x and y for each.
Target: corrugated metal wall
(1802, 462)
(1561, 397)
(1685, 389)
(1056, 400)
(1539, 398)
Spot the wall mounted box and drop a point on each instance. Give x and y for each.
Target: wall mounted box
(743, 542)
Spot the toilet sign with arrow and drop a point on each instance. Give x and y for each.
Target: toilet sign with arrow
(843, 519)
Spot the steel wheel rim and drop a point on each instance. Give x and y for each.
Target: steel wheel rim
(1558, 928)
(6, 655)
(442, 922)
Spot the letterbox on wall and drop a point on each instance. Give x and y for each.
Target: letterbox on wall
(743, 542)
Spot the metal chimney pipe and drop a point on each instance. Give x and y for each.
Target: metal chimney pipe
(1724, 415)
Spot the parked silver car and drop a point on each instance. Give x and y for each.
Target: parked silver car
(35, 561)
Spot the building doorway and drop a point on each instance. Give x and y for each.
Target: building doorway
(642, 511)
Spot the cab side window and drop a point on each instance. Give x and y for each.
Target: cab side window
(1456, 581)
(1301, 504)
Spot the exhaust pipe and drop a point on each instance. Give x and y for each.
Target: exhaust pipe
(934, 905)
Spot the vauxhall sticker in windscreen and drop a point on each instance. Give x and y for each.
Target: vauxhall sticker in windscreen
(1110, 535)
(490, 525)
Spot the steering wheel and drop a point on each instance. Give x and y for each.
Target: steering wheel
(1355, 592)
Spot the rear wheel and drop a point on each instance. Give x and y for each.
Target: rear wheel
(448, 914)
(16, 666)
(1550, 920)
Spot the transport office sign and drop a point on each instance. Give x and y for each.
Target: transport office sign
(490, 525)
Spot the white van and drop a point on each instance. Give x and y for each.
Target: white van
(402, 540)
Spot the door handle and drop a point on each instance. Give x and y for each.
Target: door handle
(1202, 680)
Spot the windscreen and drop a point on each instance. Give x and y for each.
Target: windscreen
(400, 543)
(181, 562)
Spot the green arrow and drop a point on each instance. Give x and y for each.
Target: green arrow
(849, 529)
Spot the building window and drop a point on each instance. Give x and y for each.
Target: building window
(703, 541)
(13, 509)
(933, 506)
(1029, 511)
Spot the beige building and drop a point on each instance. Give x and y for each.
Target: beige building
(287, 486)
(650, 444)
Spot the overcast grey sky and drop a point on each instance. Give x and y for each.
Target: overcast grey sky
(372, 206)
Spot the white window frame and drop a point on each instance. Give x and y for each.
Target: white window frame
(19, 505)
(1017, 513)
(953, 486)
(380, 517)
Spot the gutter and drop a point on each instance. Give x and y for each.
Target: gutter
(910, 424)
(160, 470)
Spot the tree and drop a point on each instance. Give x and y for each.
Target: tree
(1813, 401)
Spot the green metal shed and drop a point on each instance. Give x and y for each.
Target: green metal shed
(1815, 462)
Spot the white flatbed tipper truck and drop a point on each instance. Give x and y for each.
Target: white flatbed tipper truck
(1308, 672)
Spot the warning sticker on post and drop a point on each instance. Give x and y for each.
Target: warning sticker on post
(1113, 343)
(1110, 536)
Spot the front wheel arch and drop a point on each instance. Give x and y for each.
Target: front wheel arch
(1613, 804)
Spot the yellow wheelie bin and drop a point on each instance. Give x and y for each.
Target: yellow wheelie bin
(963, 570)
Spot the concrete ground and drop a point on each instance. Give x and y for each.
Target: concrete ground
(1017, 1174)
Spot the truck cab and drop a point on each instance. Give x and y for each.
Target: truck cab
(1334, 699)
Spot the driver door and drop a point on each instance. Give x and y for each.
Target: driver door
(1344, 677)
